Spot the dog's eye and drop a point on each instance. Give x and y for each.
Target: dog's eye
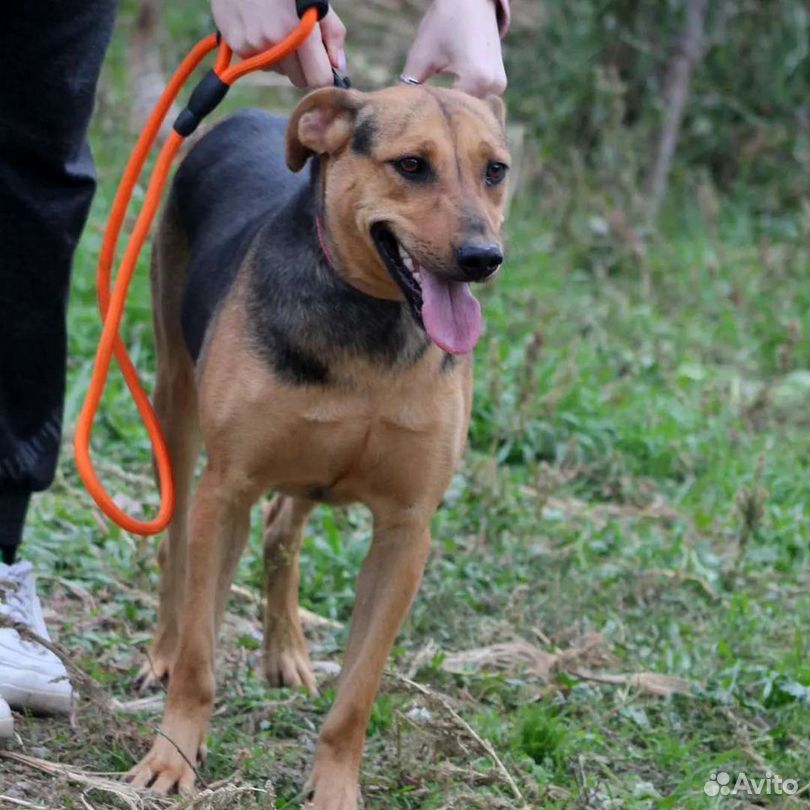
(495, 173)
(412, 167)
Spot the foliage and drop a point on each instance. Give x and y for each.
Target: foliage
(585, 74)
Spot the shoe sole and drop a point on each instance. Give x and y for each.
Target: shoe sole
(41, 701)
(34, 700)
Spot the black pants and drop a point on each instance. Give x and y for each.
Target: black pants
(50, 57)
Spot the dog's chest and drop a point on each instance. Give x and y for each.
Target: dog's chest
(348, 445)
(368, 431)
(399, 433)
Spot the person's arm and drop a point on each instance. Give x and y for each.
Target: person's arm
(252, 26)
(462, 38)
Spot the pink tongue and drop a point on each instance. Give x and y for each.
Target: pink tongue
(450, 312)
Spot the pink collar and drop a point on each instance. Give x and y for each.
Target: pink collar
(322, 242)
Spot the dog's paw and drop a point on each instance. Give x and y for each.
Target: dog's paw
(332, 789)
(288, 667)
(163, 769)
(153, 674)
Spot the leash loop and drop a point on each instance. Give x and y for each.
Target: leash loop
(205, 97)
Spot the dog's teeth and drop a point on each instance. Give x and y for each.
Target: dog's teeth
(408, 262)
(402, 254)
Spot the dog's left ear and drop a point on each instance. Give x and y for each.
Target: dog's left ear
(495, 103)
(321, 124)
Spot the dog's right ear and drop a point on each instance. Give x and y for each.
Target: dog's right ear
(321, 124)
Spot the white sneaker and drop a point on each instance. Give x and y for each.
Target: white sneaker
(6, 720)
(31, 677)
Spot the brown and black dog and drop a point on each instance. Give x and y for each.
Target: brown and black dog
(314, 332)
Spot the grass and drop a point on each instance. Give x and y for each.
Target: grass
(636, 476)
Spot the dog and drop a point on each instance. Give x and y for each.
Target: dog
(314, 331)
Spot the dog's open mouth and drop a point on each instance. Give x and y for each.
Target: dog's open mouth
(401, 267)
(448, 311)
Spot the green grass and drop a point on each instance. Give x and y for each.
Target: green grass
(637, 468)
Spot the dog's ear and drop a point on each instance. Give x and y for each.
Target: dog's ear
(495, 103)
(321, 124)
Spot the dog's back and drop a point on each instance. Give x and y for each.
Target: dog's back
(232, 180)
(233, 175)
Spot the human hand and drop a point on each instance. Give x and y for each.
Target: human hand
(253, 26)
(460, 38)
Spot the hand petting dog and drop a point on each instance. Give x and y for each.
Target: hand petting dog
(461, 39)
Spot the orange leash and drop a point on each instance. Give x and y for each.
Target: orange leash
(205, 97)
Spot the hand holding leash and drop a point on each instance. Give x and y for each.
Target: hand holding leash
(254, 26)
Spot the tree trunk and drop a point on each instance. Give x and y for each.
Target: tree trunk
(686, 54)
(144, 68)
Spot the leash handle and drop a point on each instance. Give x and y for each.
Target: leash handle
(111, 303)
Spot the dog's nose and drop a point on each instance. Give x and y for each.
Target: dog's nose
(477, 261)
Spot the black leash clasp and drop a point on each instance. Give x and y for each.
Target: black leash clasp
(302, 6)
(204, 98)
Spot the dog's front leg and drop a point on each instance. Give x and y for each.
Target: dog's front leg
(219, 526)
(386, 586)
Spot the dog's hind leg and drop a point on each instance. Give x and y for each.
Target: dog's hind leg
(285, 656)
(176, 407)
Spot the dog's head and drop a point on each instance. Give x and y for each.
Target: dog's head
(415, 186)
